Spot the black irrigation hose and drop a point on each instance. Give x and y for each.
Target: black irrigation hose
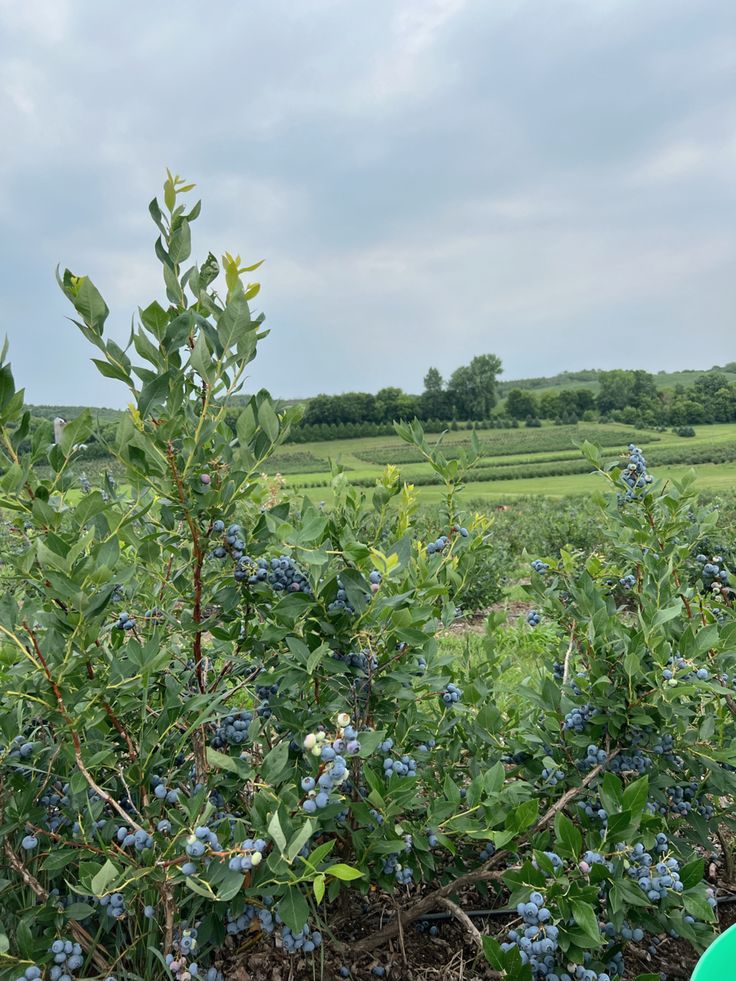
(490, 913)
(500, 913)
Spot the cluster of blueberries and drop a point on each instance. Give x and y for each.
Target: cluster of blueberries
(140, 840)
(334, 767)
(552, 776)
(681, 800)
(198, 844)
(232, 730)
(232, 542)
(594, 756)
(397, 766)
(540, 567)
(19, 749)
(680, 664)
(533, 618)
(438, 546)
(114, 905)
(362, 660)
(125, 622)
(664, 745)
(263, 919)
(655, 878)
(537, 941)
(185, 944)
(713, 575)
(577, 719)
(341, 601)
(285, 575)
(555, 860)
(282, 573)
(635, 474)
(67, 957)
(452, 694)
(592, 809)
(162, 791)
(403, 874)
(251, 855)
(628, 582)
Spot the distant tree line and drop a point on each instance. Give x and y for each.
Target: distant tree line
(471, 398)
(469, 393)
(631, 397)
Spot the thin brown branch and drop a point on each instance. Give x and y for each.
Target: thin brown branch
(167, 896)
(198, 557)
(81, 766)
(462, 917)
(568, 655)
(88, 943)
(132, 751)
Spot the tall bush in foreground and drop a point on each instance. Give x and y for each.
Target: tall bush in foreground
(224, 717)
(197, 684)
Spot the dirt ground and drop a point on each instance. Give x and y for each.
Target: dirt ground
(418, 956)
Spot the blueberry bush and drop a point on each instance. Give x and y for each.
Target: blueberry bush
(224, 716)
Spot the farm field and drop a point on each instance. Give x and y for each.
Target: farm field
(516, 462)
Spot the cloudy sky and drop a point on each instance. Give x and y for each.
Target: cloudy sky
(549, 180)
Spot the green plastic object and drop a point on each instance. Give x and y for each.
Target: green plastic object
(718, 963)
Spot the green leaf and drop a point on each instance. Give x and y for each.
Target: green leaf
(698, 906)
(299, 840)
(221, 761)
(275, 761)
(153, 394)
(276, 833)
(201, 358)
(78, 911)
(493, 953)
(319, 887)
(316, 657)
(7, 385)
(692, 874)
(268, 420)
(293, 909)
(155, 319)
(666, 614)
(89, 305)
(180, 244)
(344, 872)
(104, 878)
(585, 917)
(636, 796)
(568, 836)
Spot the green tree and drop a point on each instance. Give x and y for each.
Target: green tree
(434, 399)
(521, 404)
(473, 387)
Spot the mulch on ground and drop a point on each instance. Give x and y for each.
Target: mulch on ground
(418, 956)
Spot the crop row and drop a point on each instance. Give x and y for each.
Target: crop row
(669, 456)
(516, 442)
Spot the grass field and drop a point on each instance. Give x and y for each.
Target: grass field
(518, 462)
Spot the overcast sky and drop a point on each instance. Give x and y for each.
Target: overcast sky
(549, 180)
